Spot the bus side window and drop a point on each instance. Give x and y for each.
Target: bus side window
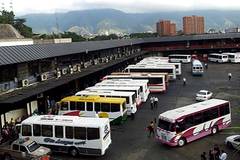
(97, 107)
(69, 132)
(89, 106)
(26, 130)
(59, 131)
(80, 106)
(72, 106)
(115, 107)
(36, 130)
(93, 133)
(64, 106)
(47, 131)
(189, 122)
(198, 118)
(105, 107)
(224, 110)
(80, 133)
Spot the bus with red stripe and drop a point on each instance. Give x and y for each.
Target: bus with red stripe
(185, 124)
(157, 82)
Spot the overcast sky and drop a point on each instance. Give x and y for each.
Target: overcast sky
(21, 7)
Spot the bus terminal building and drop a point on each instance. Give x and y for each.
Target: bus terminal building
(31, 75)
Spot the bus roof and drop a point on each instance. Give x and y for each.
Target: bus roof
(151, 66)
(219, 54)
(140, 81)
(113, 88)
(66, 120)
(174, 114)
(179, 55)
(104, 92)
(139, 74)
(93, 98)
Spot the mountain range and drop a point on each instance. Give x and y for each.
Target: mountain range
(106, 21)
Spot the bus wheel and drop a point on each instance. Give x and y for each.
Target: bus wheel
(181, 142)
(214, 129)
(73, 151)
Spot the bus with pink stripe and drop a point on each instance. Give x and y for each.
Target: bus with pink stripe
(185, 124)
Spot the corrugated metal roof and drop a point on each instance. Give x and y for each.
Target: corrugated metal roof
(193, 37)
(25, 53)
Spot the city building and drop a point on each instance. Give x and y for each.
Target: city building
(166, 28)
(232, 30)
(193, 25)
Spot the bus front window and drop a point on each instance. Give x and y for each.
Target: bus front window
(168, 126)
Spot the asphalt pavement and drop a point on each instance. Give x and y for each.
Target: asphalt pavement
(130, 140)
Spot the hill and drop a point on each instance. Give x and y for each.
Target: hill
(115, 21)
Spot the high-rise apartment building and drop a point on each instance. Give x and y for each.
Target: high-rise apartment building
(166, 28)
(193, 25)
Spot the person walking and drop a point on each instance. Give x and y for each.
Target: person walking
(203, 156)
(150, 129)
(155, 102)
(184, 81)
(229, 76)
(152, 102)
(211, 155)
(206, 66)
(223, 155)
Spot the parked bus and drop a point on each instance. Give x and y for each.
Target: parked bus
(136, 90)
(130, 97)
(157, 81)
(170, 69)
(90, 106)
(216, 57)
(233, 57)
(181, 58)
(178, 66)
(185, 124)
(197, 68)
(143, 84)
(69, 134)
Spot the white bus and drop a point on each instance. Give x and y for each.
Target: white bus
(143, 84)
(130, 97)
(233, 57)
(70, 134)
(170, 69)
(136, 90)
(181, 58)
(185, 124)
(216, 57)
(157, 81)
(197, 68)
(178, 66)
(94, 106)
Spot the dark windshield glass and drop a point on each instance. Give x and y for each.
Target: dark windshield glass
(166, 125)
(33, 146)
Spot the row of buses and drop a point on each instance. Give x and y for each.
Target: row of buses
(82, 125)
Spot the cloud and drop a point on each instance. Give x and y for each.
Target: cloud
(46, 6)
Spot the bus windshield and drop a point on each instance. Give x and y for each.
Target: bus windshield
(168, 126)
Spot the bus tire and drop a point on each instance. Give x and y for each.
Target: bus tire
(73, 151)
(181, 142)
(214, 130)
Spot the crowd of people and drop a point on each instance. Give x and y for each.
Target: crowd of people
(214, 154)
(8, 132)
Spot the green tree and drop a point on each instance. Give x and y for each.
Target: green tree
(74, 36)
(7, 17)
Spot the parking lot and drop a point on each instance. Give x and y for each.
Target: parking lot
(130, 140)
